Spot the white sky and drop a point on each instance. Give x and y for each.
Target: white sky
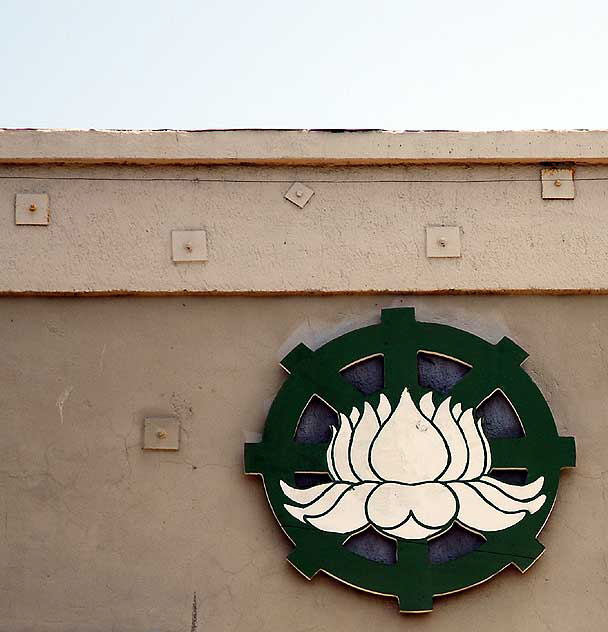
(398, 64)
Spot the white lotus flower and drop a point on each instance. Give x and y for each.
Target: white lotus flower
(411, 473)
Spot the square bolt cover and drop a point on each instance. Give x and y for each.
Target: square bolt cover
(557, 184)
(299, 194)
(443, 241)
(161, 433)
(189, 245)
(32, 208)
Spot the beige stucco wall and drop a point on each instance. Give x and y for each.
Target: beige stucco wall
(98, 535)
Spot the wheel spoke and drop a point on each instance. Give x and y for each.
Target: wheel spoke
(400, 351)
(415, 586)
(309, 458)
(322, 380)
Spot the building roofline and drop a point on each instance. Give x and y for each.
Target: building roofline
(300, 147)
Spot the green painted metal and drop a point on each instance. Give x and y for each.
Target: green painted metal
(399, 338)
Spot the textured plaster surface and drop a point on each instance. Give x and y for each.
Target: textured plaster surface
(362, 231)
(98, 535)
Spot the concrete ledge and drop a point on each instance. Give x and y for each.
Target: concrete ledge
(299, 147)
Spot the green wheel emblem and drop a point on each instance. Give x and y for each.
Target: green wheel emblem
(410, 463)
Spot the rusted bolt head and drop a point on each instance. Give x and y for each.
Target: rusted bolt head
(161, 434)
(558, 183)
(33, 208)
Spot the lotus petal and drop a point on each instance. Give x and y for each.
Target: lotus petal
(390, 505)
(408, 448)
(348, 514)
(476, 512)
(340, 457)
(426, 405)
(324, 502)
(411, 530)
(363, 434)
(504, 502)
(330, 455)
(477, 450)
(521, 492)
(384, 408)
(486, 447)
(454, 437)
(304, 496)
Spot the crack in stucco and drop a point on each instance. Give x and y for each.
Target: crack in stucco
(194, 626)
(101, 358)
(62, 399)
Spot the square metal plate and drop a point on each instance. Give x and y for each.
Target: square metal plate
(189, 245)
(557, 184)
(299, 194)
(161, 433)
(443, 241)
(32, 208)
